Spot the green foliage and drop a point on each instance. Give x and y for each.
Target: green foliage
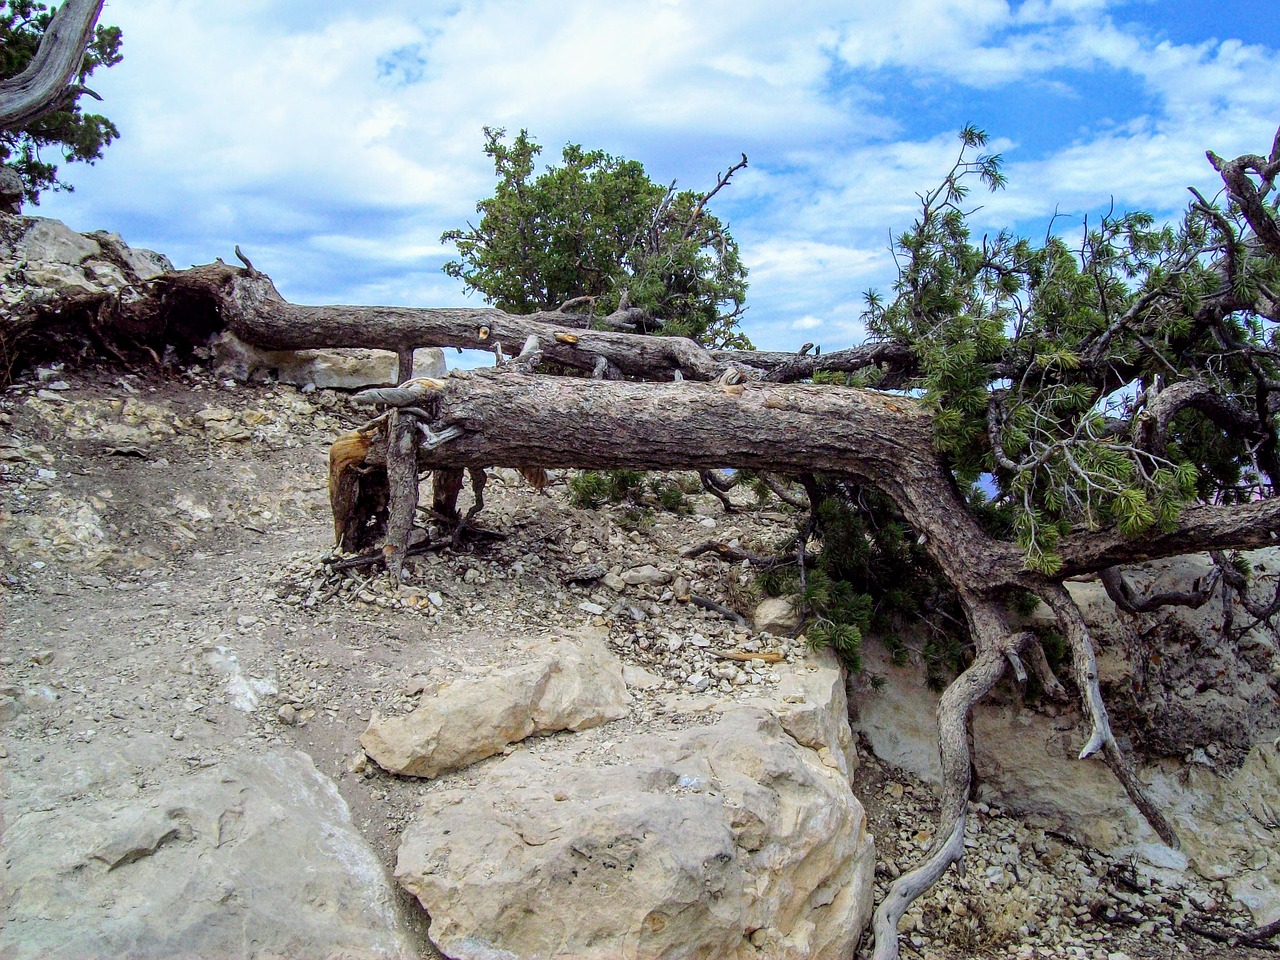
(76, 135)
(669, 495)
(594, 488)
(589, 489)
(1038, 362)
(871, 574)
(635, 518)
(597, 226)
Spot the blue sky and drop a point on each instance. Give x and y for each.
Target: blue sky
(335, 142)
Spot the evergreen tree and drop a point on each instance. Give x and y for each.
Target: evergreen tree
(597, 226)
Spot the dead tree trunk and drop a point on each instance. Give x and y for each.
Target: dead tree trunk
(44, 85)
(713, 410)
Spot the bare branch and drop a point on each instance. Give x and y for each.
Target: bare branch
(1124, 597)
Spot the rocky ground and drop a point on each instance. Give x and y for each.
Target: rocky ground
(161, 548)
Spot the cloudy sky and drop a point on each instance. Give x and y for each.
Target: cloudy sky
(336, 141)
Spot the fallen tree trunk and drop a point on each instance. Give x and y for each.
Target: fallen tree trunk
(247, 303)
(508, 419)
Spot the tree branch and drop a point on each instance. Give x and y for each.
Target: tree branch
(44, 85)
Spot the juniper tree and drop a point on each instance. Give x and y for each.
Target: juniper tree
(597, 227)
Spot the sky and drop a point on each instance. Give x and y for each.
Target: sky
(335, 142)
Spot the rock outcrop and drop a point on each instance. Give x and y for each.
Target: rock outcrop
(255, 857)
(43, 260)
(567, 684)
(738, 839)
(1205, 711)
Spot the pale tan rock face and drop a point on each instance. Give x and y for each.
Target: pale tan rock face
(776, 615)
(1026, 761)
(345, 369)
(255, 858)
(727, 841)
(811, 704)
(52, 259)
(569, 684)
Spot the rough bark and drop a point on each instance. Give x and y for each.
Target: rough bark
(48, 79)
(246, 302)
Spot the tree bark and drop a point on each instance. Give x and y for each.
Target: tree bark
(44, 85)
(518, 420)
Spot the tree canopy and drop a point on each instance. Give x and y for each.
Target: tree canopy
(1104, 378)
(78, 136)
(598, 227)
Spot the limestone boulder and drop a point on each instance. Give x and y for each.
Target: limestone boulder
(47, 258)
(730, 841)
(1229, 824)
(564, 684)
(811, 704)
(255, 857)
(777, 615)
(338, 369)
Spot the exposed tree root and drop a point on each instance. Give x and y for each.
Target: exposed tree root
(954, 710)
(1101, 736)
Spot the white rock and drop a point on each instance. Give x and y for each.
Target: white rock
(557, 856)
(568, 685)
(646, 575)
(211, 856)
(776, 615)
(342, 369)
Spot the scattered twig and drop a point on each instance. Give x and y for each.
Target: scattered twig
(737, 555)
(1254, 939)
(714, 607)
(745, 656)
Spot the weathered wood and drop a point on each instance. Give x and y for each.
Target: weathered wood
(402, 481)
(251, 307)
(45, 83)
(517, 420)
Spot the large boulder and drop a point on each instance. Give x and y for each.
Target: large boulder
(565, 684)
(727, 841)
(777, 615)
(255, 858)
(41, 259)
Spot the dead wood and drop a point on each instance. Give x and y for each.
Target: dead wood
(48, 79)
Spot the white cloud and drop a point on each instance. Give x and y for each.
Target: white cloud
(336, 141)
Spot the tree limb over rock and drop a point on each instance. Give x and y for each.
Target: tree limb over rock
(251, 307)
